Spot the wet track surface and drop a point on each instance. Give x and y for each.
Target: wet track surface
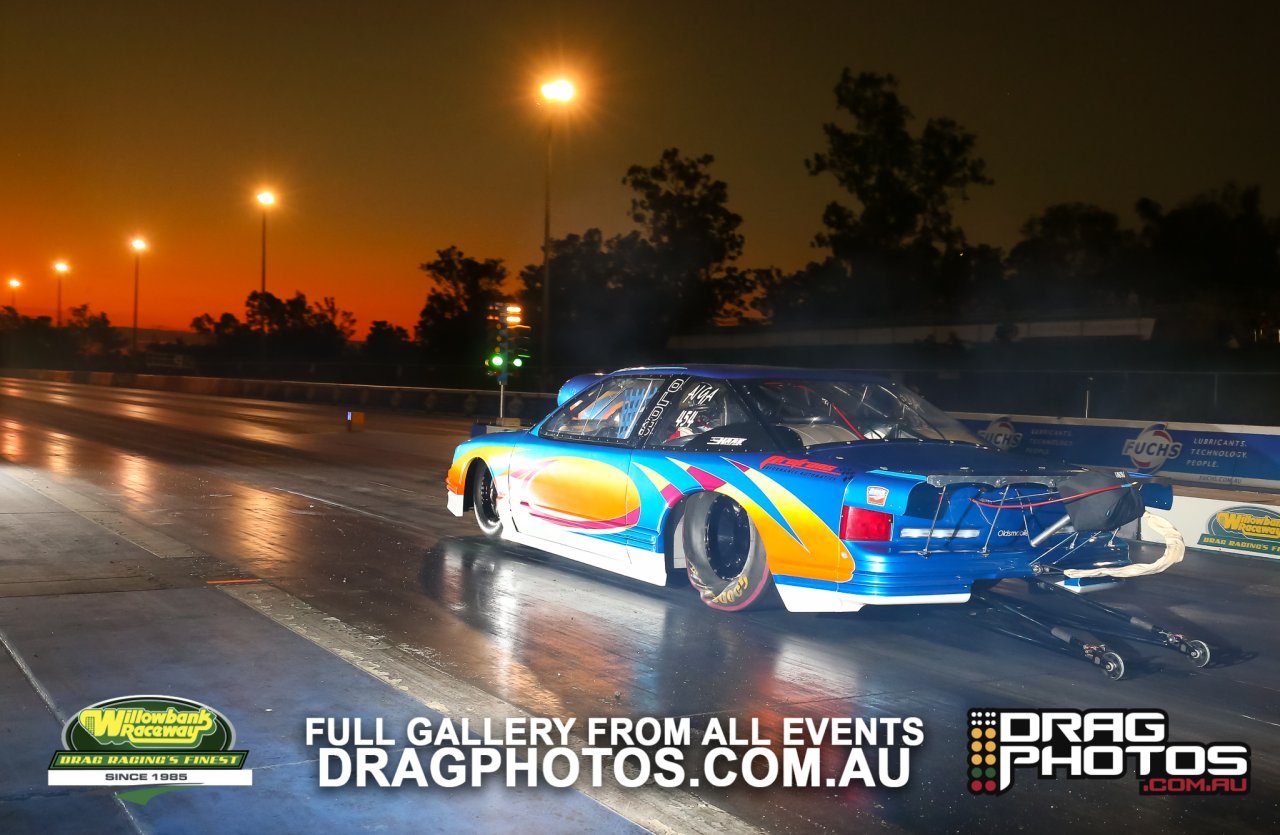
(355, 525)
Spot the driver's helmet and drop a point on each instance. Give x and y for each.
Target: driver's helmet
(700, 417)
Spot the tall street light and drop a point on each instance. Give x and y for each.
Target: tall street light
(556, 93)
(139, 246)
(14, 284)
(267, 199)
(61, 269)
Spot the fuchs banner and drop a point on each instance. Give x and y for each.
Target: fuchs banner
(1236, 456)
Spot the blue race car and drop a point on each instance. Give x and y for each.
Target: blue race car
(832, 490)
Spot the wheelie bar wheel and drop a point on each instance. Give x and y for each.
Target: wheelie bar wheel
(1197, 652)
(1111, 664)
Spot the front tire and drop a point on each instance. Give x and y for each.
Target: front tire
(484, 499)
(723, 553)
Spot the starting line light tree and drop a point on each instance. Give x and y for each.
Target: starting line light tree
(495, 360)
(508, 340)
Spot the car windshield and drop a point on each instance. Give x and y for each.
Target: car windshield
(837, 411)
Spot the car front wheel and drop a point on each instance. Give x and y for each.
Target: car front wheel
(484, 499)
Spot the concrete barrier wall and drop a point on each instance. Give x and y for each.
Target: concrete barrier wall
(1203, 453)
(470, 403)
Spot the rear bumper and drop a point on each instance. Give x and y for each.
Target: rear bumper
(801, 595)
(886, 576)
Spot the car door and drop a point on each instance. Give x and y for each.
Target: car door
(707, 438)
(695, 421)
(570, 485)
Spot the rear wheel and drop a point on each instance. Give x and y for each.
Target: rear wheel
(723, 553)
(484, 499)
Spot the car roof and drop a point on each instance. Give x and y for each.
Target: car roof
(755, 372)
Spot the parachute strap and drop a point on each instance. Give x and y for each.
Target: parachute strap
(1174, 547)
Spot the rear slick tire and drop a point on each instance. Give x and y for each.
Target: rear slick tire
(723, 554)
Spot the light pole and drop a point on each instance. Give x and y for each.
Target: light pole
(139, 246)
(267, 199)
(14, 284)
(61, 269)
(554, 93)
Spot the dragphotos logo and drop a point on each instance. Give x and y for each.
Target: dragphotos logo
(1153, 448)
(1099, 745)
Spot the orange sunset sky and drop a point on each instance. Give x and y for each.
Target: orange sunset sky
(389, 130)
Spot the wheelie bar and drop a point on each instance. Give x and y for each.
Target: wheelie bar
(1110, 662)
(1196, 651)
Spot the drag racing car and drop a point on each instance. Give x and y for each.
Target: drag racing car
(827, 489)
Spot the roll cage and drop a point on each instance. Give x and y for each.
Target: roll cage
(784, 413)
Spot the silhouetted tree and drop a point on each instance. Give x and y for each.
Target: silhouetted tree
(738, 292)
(230, 336)
(618, 299)
(267, 312)
(325, 322)
(989, 288)
(34, 341)
(1215, 244)
(1072, 255)
(818, 291)
(93, 332)
(295, 330)
(387, 343)
(1217, 258)
(896, 240)
(451, 326)
(693, 234)
(606, 305)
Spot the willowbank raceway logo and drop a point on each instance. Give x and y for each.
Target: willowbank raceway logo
(1244, 528)
(1098, 745)
(161, 742)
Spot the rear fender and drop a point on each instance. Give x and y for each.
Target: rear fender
(672, 547)
(878, 490)
(802, 544)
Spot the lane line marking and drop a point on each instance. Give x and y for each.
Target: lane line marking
(112, 521)
(1263, 721)
(350, 509)
(657, 809)
(393, 487)
(47, 698)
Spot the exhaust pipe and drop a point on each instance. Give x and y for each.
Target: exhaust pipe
(1050, 531)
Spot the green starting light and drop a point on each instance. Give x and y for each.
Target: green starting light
(517, 362)
(495, 360)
